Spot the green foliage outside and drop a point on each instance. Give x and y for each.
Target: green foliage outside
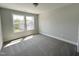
(17, 25)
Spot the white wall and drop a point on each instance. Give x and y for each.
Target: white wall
(0, 35)
(61, 23)
(7, 24)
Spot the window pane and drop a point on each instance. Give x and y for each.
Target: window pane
(30, 22)
(18, 22)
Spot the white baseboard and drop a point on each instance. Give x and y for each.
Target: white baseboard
(62, 39)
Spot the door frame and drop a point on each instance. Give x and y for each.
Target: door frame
(1, 39)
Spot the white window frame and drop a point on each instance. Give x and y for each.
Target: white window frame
(25, 23)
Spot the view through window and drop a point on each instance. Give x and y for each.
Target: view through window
(20, 23)
(30, 22)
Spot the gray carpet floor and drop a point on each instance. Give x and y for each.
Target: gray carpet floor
(38, 45)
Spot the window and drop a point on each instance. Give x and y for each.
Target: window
(30, 22)
(18, 22)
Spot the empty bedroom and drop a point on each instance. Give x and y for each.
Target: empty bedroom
(39, 29)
